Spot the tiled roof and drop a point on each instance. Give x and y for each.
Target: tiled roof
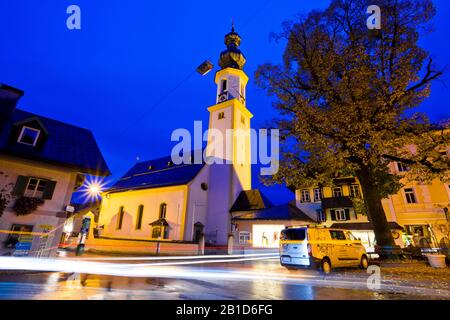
(156, 173)
(250, 200)
(65, 144)
(286, 211)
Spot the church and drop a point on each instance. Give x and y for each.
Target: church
(164, 201)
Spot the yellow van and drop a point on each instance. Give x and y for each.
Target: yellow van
(316, 247)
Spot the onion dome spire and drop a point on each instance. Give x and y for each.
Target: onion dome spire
(232, 57)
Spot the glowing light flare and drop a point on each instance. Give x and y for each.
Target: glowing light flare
(93, 188)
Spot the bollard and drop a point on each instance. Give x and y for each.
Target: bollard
(230, 244)
(201, 245)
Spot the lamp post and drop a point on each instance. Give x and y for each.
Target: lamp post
(94, 190)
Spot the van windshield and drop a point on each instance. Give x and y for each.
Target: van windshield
(293, 234)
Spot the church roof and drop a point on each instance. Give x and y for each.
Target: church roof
(155, 174)
(249, 200)
(286, 211)
(232, 57)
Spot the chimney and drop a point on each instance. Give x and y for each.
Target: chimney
(9, 97)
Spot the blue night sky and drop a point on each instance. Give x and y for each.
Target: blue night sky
(117, 75)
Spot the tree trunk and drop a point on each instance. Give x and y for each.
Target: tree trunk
(375, 212)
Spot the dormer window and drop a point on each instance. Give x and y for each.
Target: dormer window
(29, 136)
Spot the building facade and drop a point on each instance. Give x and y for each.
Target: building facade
(42, 161)
(416, 214)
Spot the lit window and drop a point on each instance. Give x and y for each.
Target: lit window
(317, 195)
(29, 136)
(305, 197)
(35, 188)
(221, 115)
(120, 218)
(337, 192)
(354, 191)
(162, 211)
(410, 197)
(321, 217)
(244, 237)
(401, 167)
(140, 213)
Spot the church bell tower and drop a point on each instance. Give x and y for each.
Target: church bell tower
(230, 121)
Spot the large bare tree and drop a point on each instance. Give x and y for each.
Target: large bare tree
(347, 96)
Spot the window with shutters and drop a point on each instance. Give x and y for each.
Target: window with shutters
(337, 192)
(321, 217)
(34, 187)
(317, 195)
(341, 215)
(354, 191)
(305, 197)
(410, 196)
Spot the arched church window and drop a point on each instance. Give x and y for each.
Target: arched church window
(140, 213)
(162, 210)
(221, 115)
(120, 218)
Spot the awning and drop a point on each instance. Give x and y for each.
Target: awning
(159, 223)
(363, 226)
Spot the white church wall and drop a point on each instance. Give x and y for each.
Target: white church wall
(220, 201)
(151, 199)
(197, 204)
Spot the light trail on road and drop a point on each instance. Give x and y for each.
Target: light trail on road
(223, 256)
(190, 272)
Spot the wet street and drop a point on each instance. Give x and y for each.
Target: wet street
(206, 279)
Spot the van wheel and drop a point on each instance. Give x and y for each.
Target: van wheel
(326, 266)
(364, 264)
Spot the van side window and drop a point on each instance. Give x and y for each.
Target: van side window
(350, 236)
(337, 235)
